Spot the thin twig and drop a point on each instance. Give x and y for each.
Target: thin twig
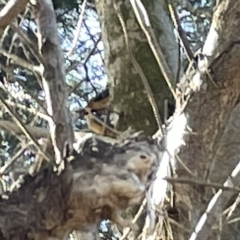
(30, 110)
(180, 32)
(201, 183)
(136, 217)
(144, 22)
(78, 29)
(14, 37)
(30, 93)
(29, 43)
(23, 128)
(13, 159)
(22, 63)
(101, 122)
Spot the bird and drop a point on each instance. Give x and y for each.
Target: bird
(101, 101)
(99, 126)
(93, 113)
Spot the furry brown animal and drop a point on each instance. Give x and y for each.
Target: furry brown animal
(111, 185)
(101, 181)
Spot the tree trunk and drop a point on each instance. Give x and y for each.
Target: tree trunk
(104, 179)
(127, 90)
(212, 146)
(53, 77)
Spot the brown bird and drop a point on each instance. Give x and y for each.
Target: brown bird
(101, 101)
(98, 126)
(95, 108)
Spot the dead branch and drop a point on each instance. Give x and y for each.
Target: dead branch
(202, 183)
(78, 29)
(11, 127)
(212, 211)
(13, 159)
(20, 62)
(38, 132)
(144, 22)
(23, 128)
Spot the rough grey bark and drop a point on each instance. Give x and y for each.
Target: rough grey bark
(209, 124)
(100, 181)
(53, 77)
(212, 146)
(128, 93)
(49, 206)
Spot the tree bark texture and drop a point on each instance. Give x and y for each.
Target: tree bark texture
(100, 181)
(212, 144)
(10, 11)
(127, 90)
(53, 77)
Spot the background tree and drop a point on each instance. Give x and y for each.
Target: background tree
(145, 64)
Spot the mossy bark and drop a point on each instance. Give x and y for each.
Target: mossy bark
(127, 90)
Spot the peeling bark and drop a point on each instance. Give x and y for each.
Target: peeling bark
(127, 90)
(101, 181)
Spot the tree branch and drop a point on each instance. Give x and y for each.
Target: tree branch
(213, 114)
(10, 11)
(53, 78)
